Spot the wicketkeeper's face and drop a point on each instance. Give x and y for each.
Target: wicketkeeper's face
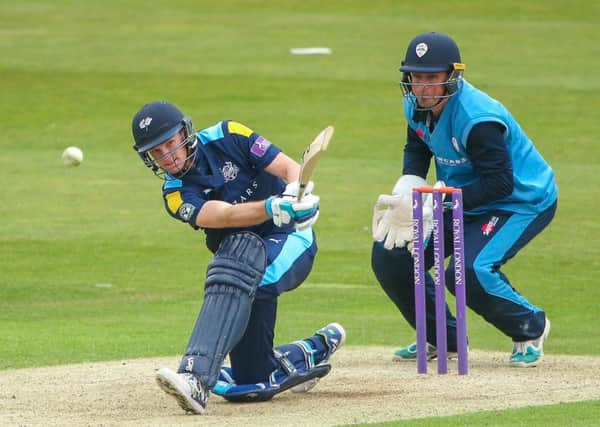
(171, 155)
(428, 88)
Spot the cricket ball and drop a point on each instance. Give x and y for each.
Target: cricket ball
(72, 156)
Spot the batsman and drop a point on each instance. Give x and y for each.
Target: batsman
(509, 197)
(242, 191)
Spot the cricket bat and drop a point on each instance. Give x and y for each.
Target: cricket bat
(311, 156)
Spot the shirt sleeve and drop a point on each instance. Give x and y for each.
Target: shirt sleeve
(259, 151)
(492, 164)
(182, 202)
(417, 155)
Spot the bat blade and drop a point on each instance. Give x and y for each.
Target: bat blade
(311, 156)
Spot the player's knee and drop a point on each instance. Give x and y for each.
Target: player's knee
(240, 262)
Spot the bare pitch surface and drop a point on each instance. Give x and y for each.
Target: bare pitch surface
(364, 386)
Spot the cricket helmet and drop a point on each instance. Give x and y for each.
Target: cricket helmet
(432, 53)
(157, 122)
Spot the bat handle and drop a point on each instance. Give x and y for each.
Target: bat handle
(301, 189)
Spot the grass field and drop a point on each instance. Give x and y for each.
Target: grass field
(92, 268)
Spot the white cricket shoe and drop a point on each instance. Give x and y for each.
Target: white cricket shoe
(185, 388)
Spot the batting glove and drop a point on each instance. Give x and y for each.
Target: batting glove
(291, 190)
(287, 210)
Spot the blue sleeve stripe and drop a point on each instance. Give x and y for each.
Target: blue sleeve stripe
(211, 134)
(295, 245)
(172, 183)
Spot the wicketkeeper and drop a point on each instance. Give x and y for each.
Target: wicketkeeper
(231, 182)
(509, 196)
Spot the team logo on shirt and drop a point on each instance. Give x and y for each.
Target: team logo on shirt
(421, 49)
(229, 171)
(488, 228)
(185, 211)
(260, 146)
(455, 145)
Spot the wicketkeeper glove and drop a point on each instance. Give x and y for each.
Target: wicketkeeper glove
(393, 221)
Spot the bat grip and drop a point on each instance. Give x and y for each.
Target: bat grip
(301, 189)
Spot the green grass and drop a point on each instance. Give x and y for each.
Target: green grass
(92, 268)
(581, 414)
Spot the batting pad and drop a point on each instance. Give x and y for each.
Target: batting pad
(232, 278)
(261, 392)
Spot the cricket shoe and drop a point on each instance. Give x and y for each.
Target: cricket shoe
(186, 388)
(334, 336)
(410, 353)
(527, 354)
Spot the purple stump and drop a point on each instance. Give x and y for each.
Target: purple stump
(459, 282)
(440, 283)
(419, 267)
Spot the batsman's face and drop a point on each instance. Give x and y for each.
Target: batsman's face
(171, 155)
(428, 87)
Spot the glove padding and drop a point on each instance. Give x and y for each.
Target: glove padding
(286, 209)
(393, 220)
(292, 189)
(307, 212)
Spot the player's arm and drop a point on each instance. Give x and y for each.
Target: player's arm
(489, 155)
(284, 167)
(283, 211)
(417, 155)
(186, 205)
(220, 214)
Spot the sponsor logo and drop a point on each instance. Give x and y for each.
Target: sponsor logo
(185, 211)
(451, 162)
(421, 49)
(420, 134)
(229, 171)
(260, 146)
(488, 228)
(247, 193)
(455, 145)
(189, 364)
(145, 122)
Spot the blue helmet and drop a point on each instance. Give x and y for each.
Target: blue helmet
(156, 123)
(432, 53)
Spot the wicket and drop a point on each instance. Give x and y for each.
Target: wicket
(439, 279)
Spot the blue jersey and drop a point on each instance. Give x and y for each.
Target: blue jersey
(534, 185)
(229, 166)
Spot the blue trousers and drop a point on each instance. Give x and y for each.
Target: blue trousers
(490, 241)
(289, 261)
